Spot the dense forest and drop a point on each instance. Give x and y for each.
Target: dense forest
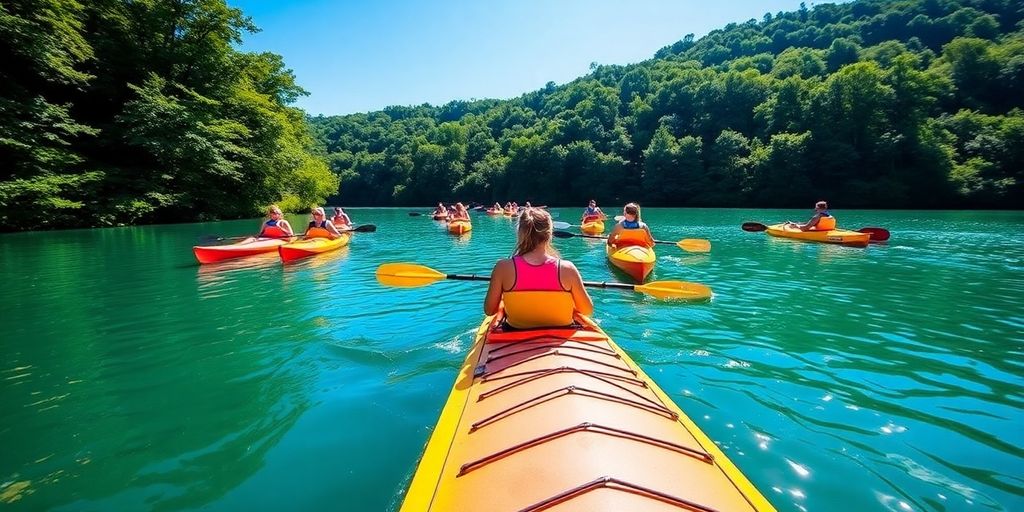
(874, 103)
(116, 112)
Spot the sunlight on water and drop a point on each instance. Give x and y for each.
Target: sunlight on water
(885, 378)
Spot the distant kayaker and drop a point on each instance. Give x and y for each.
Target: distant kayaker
(460, 213)
(319, 227)
(275, 226)
(538, 288)
(440, 210)
(631, 220)
(821, 221)
(592, 211)
(497, 207)
(341, 219)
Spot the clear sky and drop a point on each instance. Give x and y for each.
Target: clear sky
(355, 56)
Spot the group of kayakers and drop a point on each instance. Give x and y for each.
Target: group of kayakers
(277, 227)
(452, 212)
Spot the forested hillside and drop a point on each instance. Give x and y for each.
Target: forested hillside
(128, 112)
(875, 103)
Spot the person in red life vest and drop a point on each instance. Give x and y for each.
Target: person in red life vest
(821, 221)
(275, 226)
(538, 288)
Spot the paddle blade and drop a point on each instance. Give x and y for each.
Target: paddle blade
(407, 275)
(753, 227)
(415, 214)
(561, 225)
(564, 234)
(620, 218)
(365, 228)
(675, 290)
(877, 234)
(694, 245)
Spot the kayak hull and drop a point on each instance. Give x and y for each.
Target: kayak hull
(215, 253)
(546, 417)
(636, 261)
(459, 227)
(310, 247)
(440, 216)
(494, 212)
(592, 227)
(835, 236)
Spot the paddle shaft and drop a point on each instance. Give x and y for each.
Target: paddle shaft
(590, 284)
(606, 238)
(365, 228)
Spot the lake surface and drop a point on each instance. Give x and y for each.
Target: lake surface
(836, 378)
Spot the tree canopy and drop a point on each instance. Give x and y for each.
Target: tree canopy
(874, 103)
(117, 112)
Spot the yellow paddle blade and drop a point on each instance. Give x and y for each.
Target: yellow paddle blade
(407, 275)
(675, 290)
(694, 245)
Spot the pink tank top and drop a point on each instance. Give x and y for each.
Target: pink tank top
(543, 277)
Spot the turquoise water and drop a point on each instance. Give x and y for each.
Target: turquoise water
(886, 378)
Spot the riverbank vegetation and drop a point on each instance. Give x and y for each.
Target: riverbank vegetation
(874, 103)
(118, 112)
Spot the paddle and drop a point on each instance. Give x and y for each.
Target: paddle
(877, 234)
(411, 275)
(365, 228)
(687, 244)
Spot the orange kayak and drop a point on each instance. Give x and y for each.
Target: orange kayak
(492, 211)
(633, 253)
(835, 236)
(215, 253)
(592, 226)
(312, 246)
(563, 419)
(440, 216)
(459, 227)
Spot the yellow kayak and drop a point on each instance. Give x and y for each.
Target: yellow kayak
(835, 236)
(459, 227)
(633, 253)
(311, 246)
(592, 226)
(563, 419)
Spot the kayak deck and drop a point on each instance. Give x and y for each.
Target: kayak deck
(835, 236)
(635, 260)
(309, 247)
(563, 418)
(215, 253)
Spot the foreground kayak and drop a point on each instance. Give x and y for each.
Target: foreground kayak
(592, 226)
(458, 227)
(312, 246)
(563, 419)
(835, 236)
(215, 253)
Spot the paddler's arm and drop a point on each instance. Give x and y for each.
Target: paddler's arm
(580, 298)
(811, 223)
(615, 233)
(287, 228)
(493, 298)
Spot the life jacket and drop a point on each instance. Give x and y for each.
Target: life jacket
(537, 298)
(272, 230)
(632, 236)
(590, 212)
(315, 231)
(826, 222)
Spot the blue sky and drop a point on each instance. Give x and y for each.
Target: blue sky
(363, 56)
